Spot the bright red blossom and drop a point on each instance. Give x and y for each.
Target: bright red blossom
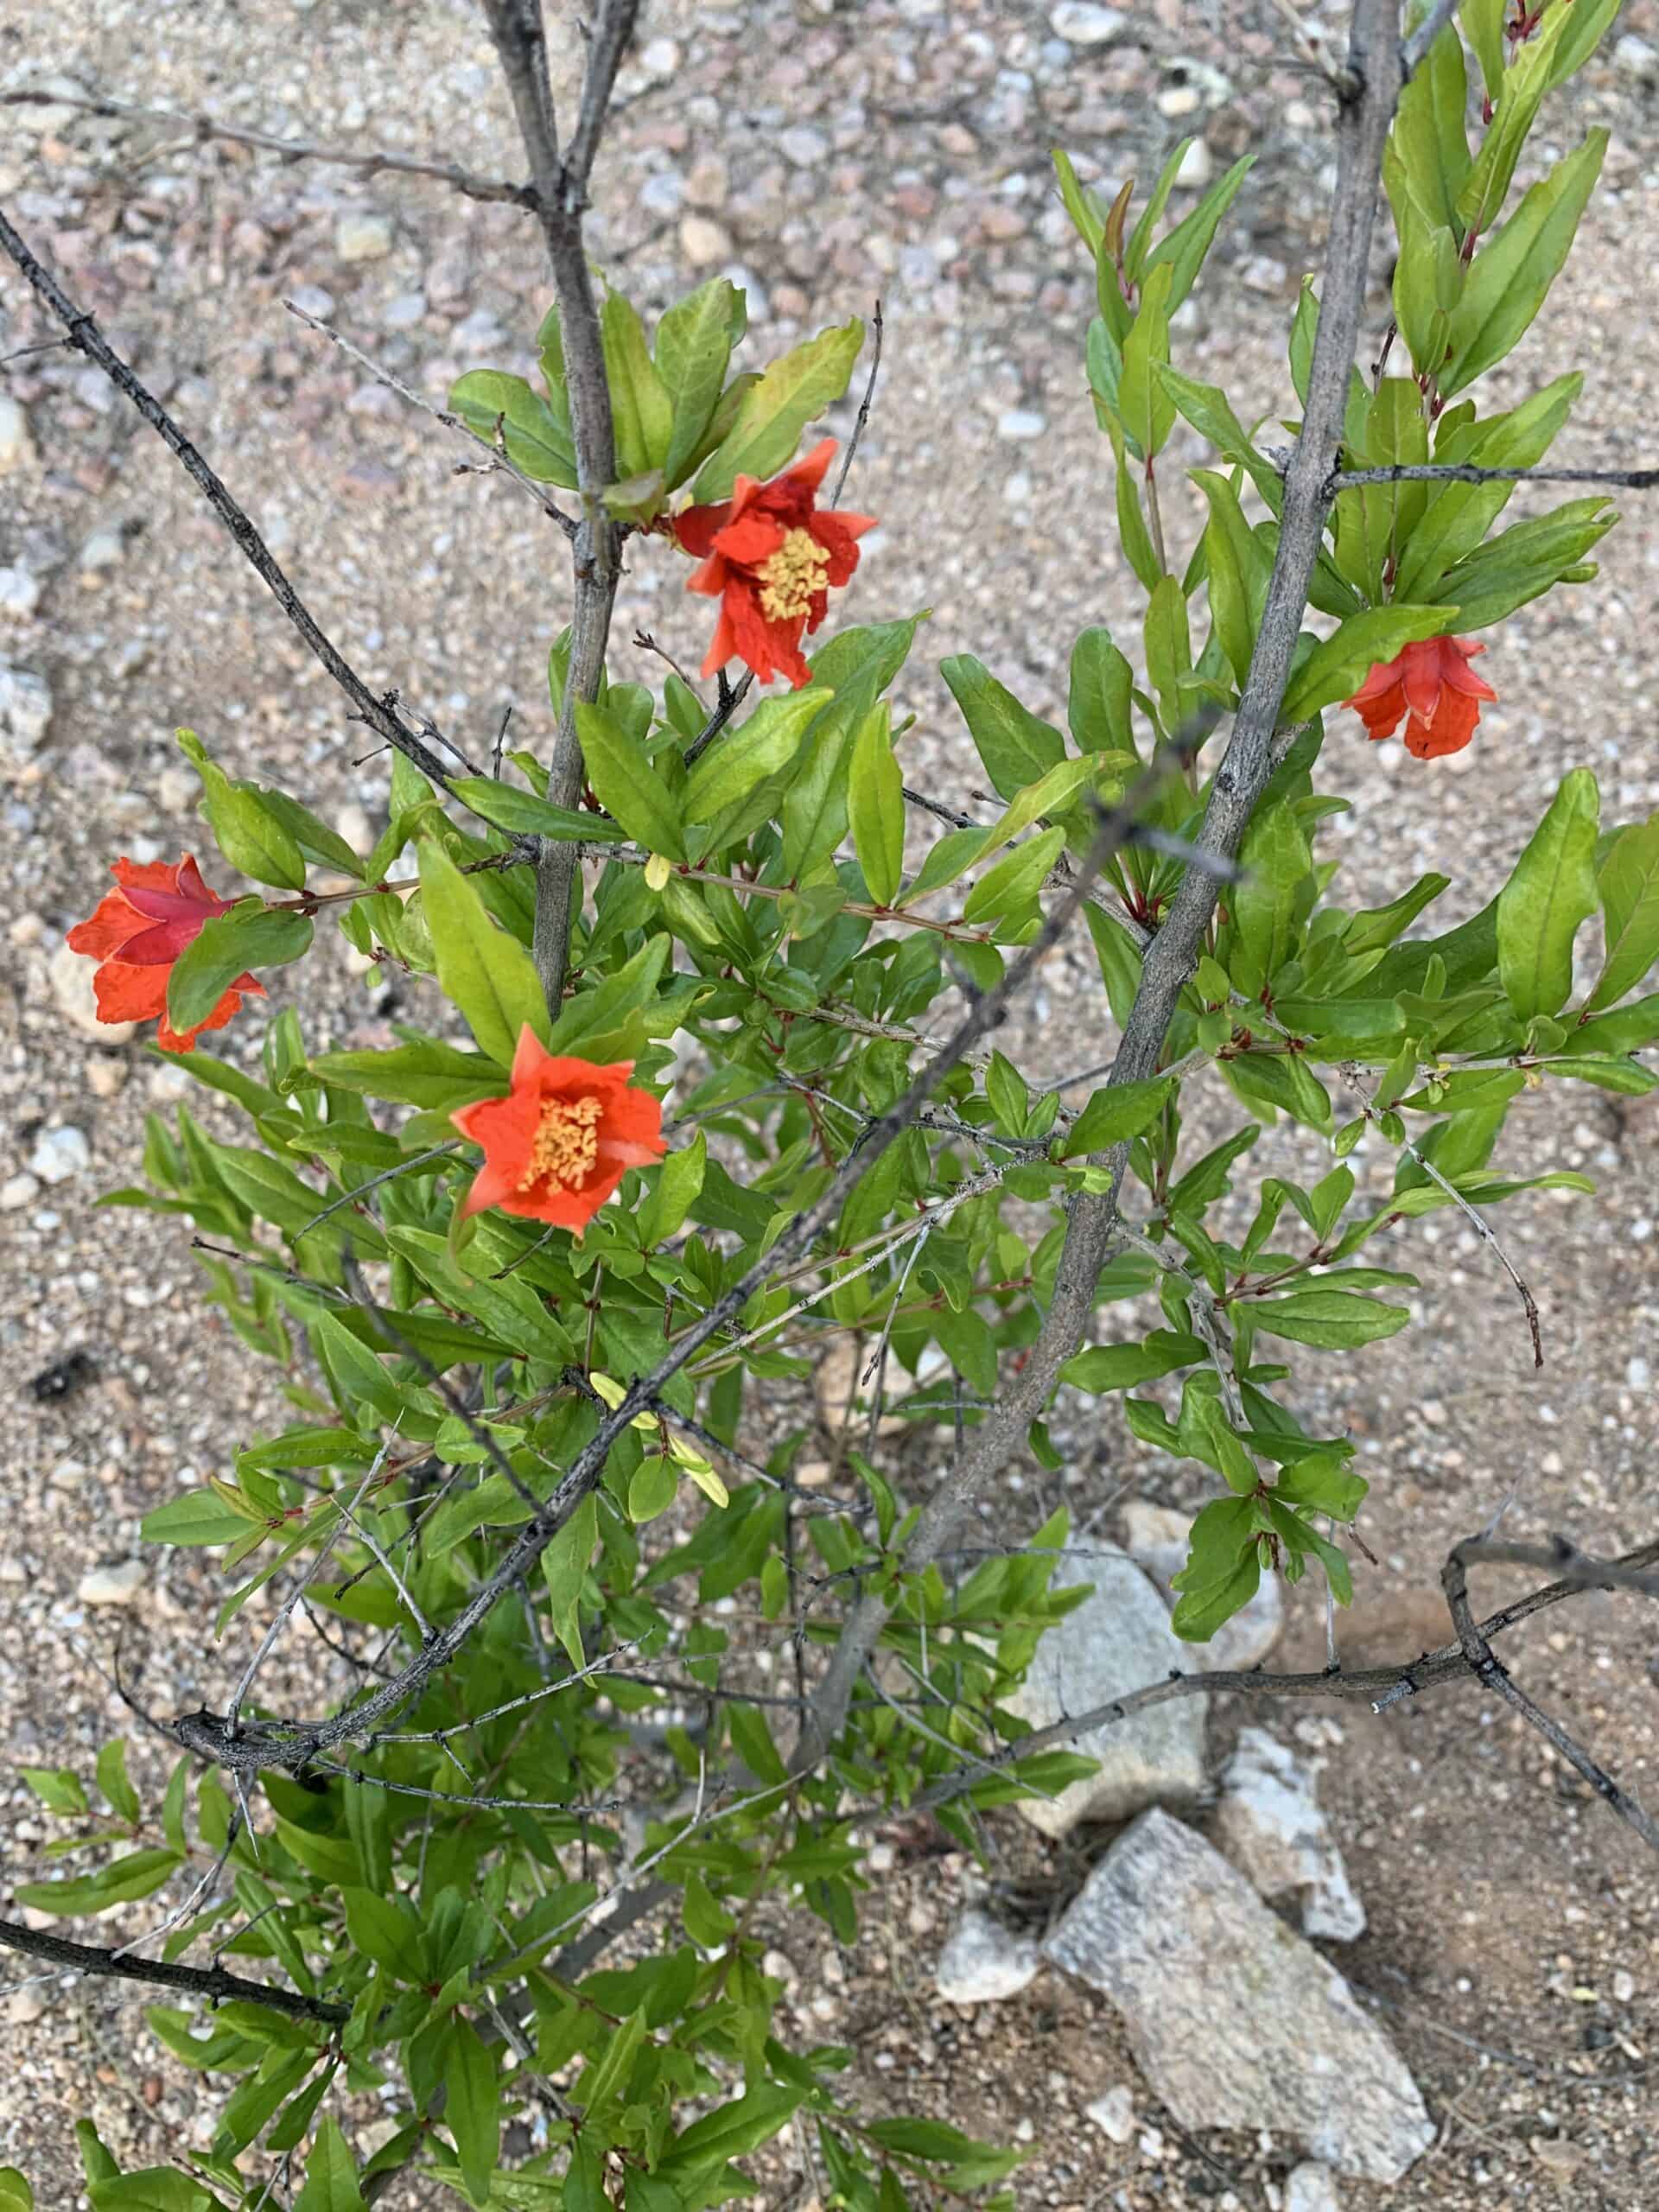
(138, 930)
(771, 557)
(1432, 682)
(558, 1144)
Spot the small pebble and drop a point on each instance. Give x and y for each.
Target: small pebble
(60, 1154)
(1113, 2114)
(359, 236)
(111, 1586)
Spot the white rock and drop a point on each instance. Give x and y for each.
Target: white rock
(804, 146)
(1270, 1824)
(25, 710)
(24, 2007)
(111, 1586)
(106, 1075)
(1637, 58)
(1638, 1374)
(405, 311)
(1177, 100)
(703, 242)
(1155, 1537)
(16, 441)
(1623, 1986)
(1113, 2114)
(1081, 24)
(18, 1191)
(1230, 2014)
(314, 299)
(102, 551)
(1118, 1639)
(984, 1960)
(1197, 167)
(360, 237)
(1022, 423)
(1311, 2188)
(661, 57)
(60, 1154)
(20, 594)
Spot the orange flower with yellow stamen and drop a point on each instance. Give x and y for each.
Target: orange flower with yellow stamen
(771, 557)
(557, 1145)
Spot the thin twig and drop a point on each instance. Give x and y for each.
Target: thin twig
(202, 128)
(499, 461)
(82, 333)
(1489, 1669)
(1464, 472)
(862, 420)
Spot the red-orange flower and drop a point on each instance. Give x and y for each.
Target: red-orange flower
(1435, 685)
(562, 1139)
(771, 557)
(138, 930)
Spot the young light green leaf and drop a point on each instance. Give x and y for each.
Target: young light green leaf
(642, 414)
(1551, 892)
(876, 807)
(1147, 409)
(1098, 700)
(693, 344)
(1015, 746)
(1510, 276)
(626, 784)
(496, 406)
(1627, 884)
(740, 759)
(1184, 249)
(251, 833)
(229, 945)
(792, 393)
(487, 974)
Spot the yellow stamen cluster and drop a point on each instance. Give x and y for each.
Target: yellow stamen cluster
(795, 572)
(565, 1145)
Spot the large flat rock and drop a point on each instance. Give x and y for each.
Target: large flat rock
(1234, 2019)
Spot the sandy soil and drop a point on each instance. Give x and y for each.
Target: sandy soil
(833, 154)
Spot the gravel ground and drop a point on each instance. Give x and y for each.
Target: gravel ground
(830, 154)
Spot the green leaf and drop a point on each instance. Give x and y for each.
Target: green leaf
(564, 1566)
(1145, 407)
(136, 1874)
(652, 1489)
(486, 975)
(1460, 517)
(1097, 701)
(1133, 533)
(1551, 892)
(792, 393)
(112, 1780)
(225, 947)
(675, 1191)
(876, 807)
(473, 2107)
(249, 833)
(1510, 278)
(1524, 561)
(1339, 664)
(1336, 1321)
(1169, 643)
(740, 759)
(1115, 1114)
(1015, 746)
(693, 344)
(1183, 249)
(642, 414)
(1123, 1367)
(429, 1075)
(1272, 898)
(153, 2188)
(537, 440)
(522, 814)
(58, 1788)
(626, 784)
(1009, 890)
(1627, 884)
(331, 2183)
(16, 2194)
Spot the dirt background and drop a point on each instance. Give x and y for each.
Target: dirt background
(831, 154)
